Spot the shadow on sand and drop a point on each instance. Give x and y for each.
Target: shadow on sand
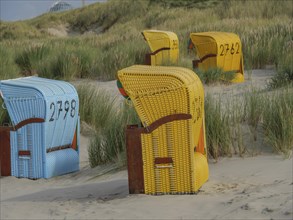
(103, 191)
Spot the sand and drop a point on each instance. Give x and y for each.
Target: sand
(251, 188)
(259, 187)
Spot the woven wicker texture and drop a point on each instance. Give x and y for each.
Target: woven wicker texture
(164, 46)
(157, 92)
(57, 103)
(227, 49)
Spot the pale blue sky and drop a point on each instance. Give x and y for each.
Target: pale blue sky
(13, 10)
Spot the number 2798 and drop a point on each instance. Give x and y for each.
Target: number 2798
(68, 107)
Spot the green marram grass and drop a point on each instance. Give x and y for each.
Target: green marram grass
(105, 37)
(253, 110)
(267, 116)
(8, 68)
(284, 76)
(217, 128)
(96, 106)
(215, 75)
(278, 121)
(109, 145)
(109, 117)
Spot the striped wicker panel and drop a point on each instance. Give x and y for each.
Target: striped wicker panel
(157, 92)
(167, 141)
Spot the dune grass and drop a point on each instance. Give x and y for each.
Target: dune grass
(226, 122)
(70, 58)
(109, 145)
(103, 38)
(254, 109)
(278, 122)
(217, 128)
(96, 106)
(214, 75)
(8, 67)
(284, 75)
(108, 116)
(267, 116)
(100, 42)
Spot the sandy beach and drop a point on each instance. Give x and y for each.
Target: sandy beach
(251, 188)
(258, 187)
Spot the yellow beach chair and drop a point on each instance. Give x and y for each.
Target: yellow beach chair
(168, 154)
(218, 50)
(164, 47)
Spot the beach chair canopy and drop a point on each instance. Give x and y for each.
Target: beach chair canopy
(170, 105)
(218, 50)
(44, 117)
(164, 47)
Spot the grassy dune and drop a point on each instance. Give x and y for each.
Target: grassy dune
(256, 115)
(97, 40)
(105, 37)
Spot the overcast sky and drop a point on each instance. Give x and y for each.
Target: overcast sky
(13, 10)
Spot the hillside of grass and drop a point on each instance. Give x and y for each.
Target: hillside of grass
(97, 40)
(101, 38)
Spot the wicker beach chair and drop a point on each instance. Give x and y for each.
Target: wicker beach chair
(167, 155)
(164, 47)
(218, 50)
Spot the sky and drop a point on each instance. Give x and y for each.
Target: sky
(13, 10)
